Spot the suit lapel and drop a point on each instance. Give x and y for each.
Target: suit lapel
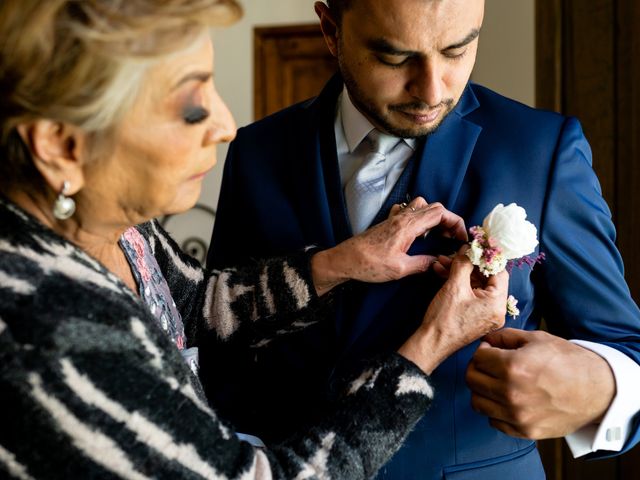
(446, 155)
(315, 168)
(439, 175)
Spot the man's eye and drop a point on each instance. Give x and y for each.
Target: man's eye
(393, 61)
(455, 54)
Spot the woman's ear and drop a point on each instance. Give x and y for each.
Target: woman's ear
(329, 27)
(58, 152)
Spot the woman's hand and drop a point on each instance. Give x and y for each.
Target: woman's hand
(442, 267)
(380, 253)
(457, 315)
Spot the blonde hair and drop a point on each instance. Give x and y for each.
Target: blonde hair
(82, 61)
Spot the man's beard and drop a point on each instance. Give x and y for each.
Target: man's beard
(362, 103)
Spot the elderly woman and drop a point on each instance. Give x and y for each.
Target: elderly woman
(109, 118)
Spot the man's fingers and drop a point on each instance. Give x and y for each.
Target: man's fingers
(489, 407)
(506, 427)
(508, 338)
(489, 360)
(500, 417)
(484, 384)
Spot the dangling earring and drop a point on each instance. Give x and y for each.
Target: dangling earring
(64, 206)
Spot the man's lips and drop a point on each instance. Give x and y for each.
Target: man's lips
(422, 117)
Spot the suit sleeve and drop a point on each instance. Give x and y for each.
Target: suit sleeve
(585, 293)
(230, 232)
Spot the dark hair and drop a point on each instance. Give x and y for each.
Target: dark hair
(339, 6)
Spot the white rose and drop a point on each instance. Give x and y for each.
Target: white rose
(509, 228)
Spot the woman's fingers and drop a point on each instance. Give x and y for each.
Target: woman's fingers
(441, 266)
(434, 215)
(453, 226)
(499, 282)
(461, 269)
(395, 210)
(413, 206)
(417, 203)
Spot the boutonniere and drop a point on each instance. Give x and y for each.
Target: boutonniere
(505, 239)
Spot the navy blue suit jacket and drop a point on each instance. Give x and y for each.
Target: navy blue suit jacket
(281, 191)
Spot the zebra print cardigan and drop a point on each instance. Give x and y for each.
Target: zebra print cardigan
(92, 388)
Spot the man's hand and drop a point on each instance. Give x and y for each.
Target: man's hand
(536, 385)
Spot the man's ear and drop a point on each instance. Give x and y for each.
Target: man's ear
(329, 26)
(58, 152)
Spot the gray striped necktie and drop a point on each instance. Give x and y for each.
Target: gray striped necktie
(364, 192)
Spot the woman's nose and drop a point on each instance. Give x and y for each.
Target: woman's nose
(223, 126)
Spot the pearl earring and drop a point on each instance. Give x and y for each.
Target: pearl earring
(64, 206)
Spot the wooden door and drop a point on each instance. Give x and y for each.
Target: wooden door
(291, 64)
(588, 65)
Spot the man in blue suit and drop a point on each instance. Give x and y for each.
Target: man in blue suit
(405, 67)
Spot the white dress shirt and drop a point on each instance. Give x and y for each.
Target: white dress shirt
(351, 127)
(612, 433)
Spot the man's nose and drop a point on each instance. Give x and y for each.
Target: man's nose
(426, 83)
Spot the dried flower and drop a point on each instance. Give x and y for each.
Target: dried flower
(512, 306)
(503, 241)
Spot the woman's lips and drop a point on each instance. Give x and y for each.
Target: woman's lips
(200, 175)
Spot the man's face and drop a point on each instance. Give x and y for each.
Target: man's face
(406, 62)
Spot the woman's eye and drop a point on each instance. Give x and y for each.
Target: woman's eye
(193, 115)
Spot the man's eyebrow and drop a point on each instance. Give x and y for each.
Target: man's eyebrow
(380, 45)
(467, 40)
(201, 77)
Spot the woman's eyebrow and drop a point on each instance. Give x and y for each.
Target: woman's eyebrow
(198, 76)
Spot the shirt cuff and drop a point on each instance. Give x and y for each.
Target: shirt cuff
(612, 433)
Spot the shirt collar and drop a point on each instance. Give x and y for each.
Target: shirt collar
(356, 126)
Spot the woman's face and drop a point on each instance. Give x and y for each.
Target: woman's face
(164, 145)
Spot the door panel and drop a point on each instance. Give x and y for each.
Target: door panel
(292, 64)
